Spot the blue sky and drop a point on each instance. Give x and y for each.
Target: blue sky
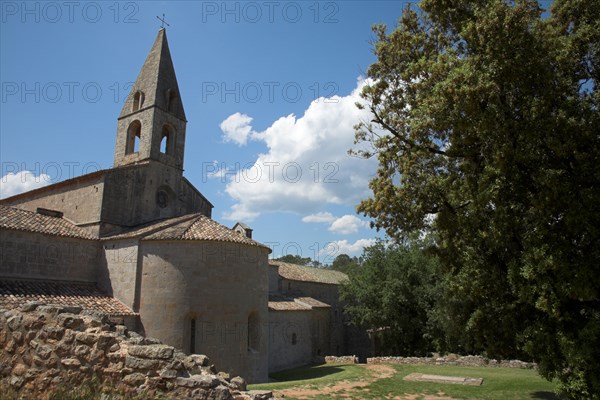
(268, 89)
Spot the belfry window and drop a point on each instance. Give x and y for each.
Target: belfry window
(166, 140)
(134, 133)
(138, 100)
(171, 97)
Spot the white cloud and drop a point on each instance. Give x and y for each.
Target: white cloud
(22, 181)
(236, 128)
(306, 166)
(319, 217)
(347, 224)
(338, 247)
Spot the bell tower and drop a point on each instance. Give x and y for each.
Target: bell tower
(152, 123)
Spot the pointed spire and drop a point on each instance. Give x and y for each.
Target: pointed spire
(156, 84)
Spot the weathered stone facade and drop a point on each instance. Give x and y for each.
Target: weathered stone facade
(306, 315)
(142, 232)
(137, 243)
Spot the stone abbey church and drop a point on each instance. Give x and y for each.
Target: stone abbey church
(136, 242)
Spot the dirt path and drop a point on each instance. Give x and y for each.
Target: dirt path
(379, 371)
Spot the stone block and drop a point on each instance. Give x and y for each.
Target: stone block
(14, 322)
(71, 362)
(69, 320)
(135, 379)
(194, 363)
(81, 350)
(238, 383)
(31, 306)
(168, 373)
(87, 338)
(43, 351)
(198, 381)
(105, 340)
(140, 363)
(53, 332)
(222, 393)
(156, 351)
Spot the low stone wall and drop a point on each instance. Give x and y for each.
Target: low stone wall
(45, 348)
(341, 360)
(452, 359)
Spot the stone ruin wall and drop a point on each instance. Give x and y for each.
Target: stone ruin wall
(451, 359)
(45, 348)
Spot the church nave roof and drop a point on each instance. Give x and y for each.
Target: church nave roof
(28, 221)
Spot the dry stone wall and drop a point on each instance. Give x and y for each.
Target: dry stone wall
(338, 359)
(452, 359)
(45, 348)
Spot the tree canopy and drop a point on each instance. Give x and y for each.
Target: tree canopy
(345, 263)
(295, 259)
(487, 132)
(393, 291)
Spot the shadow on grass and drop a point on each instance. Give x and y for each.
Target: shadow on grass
(306, 373)
(544, 396)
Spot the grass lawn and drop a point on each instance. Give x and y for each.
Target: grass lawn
(339, 381)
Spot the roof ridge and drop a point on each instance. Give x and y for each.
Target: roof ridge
(198, 218)
(153, 229)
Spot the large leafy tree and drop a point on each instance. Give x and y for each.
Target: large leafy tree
(393, 291)
(487, 131)
(345, 263)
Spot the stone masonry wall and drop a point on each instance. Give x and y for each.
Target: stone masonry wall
(338, 360)
(45, 347)
(453, 359)
(29, 255)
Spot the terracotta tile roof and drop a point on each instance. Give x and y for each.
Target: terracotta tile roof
(283, 303)
(22, 220)
(314, 303)
(279, 302)
(15, 293)
(303, 273)
(152, 227)
(188, 227)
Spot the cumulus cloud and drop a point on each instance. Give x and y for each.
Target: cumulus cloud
(344, 225)
(319, 217)
(338, 247)
(306, 165)
(347, 224)
(22, 181)
(236, 128)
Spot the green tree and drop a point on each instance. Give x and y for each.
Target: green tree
(394, 289)
(487, 131)
(296, 259)
(345, 263)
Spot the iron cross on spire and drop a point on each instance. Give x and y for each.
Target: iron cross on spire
(163, 22)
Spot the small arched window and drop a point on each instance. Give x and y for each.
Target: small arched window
(138, 100)
(171, 97)
(134, 132)
(294, 339)
(167, 140)
(193, 336)
(253, 332)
